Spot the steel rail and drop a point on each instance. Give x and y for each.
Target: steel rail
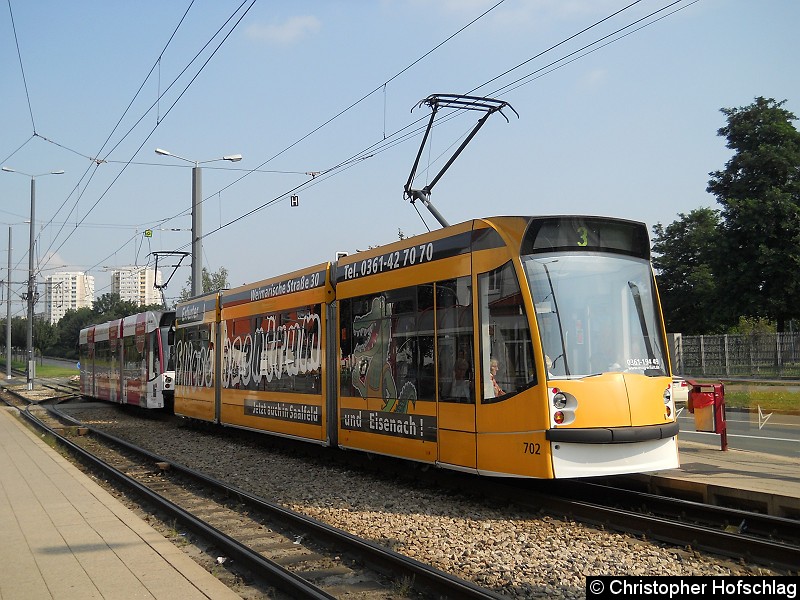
(716, 541)
(275, 574)
(394, 563)
(747, 523)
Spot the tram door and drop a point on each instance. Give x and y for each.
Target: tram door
(511, 414)
(456, 372)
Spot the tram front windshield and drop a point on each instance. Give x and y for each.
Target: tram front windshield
(597, 313)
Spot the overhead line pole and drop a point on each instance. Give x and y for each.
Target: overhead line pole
(8, 310)
(197, 215)
(31, 274)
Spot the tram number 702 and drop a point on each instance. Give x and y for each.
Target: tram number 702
(532, 448)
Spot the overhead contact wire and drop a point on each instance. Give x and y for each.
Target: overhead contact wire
(21, 67)
(125, 166)
(108, 138)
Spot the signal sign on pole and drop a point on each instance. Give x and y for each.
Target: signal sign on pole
(294, 200)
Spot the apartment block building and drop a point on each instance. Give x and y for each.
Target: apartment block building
(137, 284)
(65, 291)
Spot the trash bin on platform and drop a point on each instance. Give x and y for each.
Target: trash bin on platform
(707, 403)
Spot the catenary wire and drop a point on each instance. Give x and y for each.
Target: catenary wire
(97, 162)
(152, 131)
(21, 67)
(389, 142)
(386, 146)
(301, 139)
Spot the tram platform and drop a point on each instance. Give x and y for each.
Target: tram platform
(766, 483)
(65, 537)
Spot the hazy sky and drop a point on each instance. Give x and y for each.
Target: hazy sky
(628, 129)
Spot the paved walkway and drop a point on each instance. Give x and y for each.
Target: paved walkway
(737, 478)
(62, 536)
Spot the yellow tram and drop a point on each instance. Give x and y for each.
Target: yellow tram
(506, 346)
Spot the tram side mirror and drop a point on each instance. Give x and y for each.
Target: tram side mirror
(171, 337)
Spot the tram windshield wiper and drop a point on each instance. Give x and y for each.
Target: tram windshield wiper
(558, 320)
(637, 299)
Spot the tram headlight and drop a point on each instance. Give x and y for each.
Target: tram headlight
(563, 406)
(668, 402)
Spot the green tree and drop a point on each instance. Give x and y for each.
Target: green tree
(110, 306)
(759, 191)
(212, 282)
(69, 328)
(19, 332)
(45, 335)
(684, 256)
(107, 307)
(753, 326)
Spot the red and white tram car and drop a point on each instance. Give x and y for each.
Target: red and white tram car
(129, 360)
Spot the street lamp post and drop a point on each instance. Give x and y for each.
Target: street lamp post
(31, 277)
(197, 215)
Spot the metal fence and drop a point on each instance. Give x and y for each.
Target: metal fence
(759, 356)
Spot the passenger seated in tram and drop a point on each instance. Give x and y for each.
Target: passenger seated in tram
(461, 388)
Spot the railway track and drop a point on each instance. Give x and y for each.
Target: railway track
(650, 523)
(301, 557)
(740, 534)
(748, 523)
(48, 388)
(763, 539)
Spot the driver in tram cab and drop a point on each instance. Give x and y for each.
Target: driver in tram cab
(494, 367)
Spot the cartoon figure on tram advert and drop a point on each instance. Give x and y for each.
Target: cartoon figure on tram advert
(378, 357)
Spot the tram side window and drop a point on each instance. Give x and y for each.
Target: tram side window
(425, 364)
(153, 359)
(102, 358)
(237, 353)
(359, 350)
(287, 350)
(454, 331)
(386, 347)
(277, 352)
(184, 340)
(168, 337)
(507, 362)
(194, 362)
(134, 366)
